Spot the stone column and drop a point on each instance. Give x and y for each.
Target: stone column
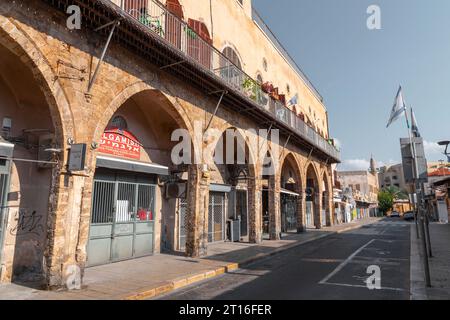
(274, 208)
(197, 211)
(328, 209)
(318, 210)
(301, 213)
(255, 210)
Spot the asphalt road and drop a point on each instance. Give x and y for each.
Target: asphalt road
(335, 267)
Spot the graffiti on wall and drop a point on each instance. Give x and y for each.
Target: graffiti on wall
(27, 223)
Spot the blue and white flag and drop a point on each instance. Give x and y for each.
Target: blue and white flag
(398, 109)
(293, 101)
(414, 127)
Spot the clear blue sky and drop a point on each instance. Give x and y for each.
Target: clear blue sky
(358, 70)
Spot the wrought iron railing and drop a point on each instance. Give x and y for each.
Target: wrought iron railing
(175, 31)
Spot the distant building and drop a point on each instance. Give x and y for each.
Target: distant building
(392, 176)
(363, 186)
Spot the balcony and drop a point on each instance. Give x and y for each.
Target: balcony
(148, 26)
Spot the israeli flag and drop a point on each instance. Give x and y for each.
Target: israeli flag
(398, 109)
(294, 100)
(414, 127)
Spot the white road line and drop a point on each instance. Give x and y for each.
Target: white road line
(346, 261)
(361, 286)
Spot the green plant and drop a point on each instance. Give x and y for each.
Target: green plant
(385, 201)
(251, 87)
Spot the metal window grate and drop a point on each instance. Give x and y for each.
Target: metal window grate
(182, 211)
(216, 217)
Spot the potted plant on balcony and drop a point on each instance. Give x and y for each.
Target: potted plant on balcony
(250, 87)
(267, 87)
(274, 94)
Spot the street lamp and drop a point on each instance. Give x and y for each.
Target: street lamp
(446, 144)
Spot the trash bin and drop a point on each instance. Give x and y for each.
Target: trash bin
(234, 230)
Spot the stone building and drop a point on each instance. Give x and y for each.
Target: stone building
(363, 185)
(95, 120)
(392, 176)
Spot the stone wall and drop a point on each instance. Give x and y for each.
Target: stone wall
(62, 62)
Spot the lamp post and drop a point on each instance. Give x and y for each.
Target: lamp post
(445, 144)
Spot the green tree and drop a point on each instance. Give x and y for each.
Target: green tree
(397, 193)
(385, 201)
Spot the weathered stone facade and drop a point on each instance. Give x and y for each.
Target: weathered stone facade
(61, 62)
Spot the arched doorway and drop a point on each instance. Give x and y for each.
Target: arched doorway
(137, 189)
(232, 187)
(30, 151)
(290, 196)
(313, 198)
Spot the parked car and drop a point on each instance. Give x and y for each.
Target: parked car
(395, 214)
(408, 216)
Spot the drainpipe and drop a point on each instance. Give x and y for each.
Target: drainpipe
(212, 22)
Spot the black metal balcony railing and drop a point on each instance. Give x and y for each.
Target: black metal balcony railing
(156, 17)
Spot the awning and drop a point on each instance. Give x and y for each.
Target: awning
(6, 149)
(130, 165)
(220, 188)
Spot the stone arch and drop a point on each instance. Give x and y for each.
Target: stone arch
(21, 45)
(291, 202)
(313, 195)
(174, 109)
(16, 41)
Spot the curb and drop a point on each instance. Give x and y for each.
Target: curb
(179, 283)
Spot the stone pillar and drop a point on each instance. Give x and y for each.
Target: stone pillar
(327, 205)
(197, 211)
(255, 210)
(318, 210)
(301, 213)
(274, 208)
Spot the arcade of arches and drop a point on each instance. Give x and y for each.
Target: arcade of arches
(129, 199)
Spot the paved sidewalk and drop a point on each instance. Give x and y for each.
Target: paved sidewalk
(439, 265)
(159, 274)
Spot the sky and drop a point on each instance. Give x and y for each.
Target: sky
(358, 70)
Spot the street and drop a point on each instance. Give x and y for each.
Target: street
(331, 268)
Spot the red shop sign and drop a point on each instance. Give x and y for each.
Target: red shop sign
(120, 143)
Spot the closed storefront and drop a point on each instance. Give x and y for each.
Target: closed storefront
(288, 211)
(124, 203)
(216, 216)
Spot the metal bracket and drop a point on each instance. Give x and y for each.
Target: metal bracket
(285, 145)
(114, 23)
(172, 64)
(224, 92)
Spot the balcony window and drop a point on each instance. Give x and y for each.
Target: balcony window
(231, 71)
(199, 49)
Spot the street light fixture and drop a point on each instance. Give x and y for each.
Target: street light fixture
(446, 144)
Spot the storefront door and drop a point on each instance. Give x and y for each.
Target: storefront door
(216, 217)
(241, 211)
(309, 214)
(288, 213)
(182, 230)
(4, 189)
(122, 221)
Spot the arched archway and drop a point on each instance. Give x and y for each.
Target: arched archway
(291, 195)
(35, 118)
(141, 185)
(313, 198)
(235, 166)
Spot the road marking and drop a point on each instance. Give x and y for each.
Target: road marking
(360, 286)
(346, 261)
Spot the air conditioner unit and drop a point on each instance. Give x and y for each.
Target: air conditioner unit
(46, 141)
(176, 190)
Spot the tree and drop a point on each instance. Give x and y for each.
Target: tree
(385, 201)
(397, 193)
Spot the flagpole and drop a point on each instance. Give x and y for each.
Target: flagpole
(419, 194)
